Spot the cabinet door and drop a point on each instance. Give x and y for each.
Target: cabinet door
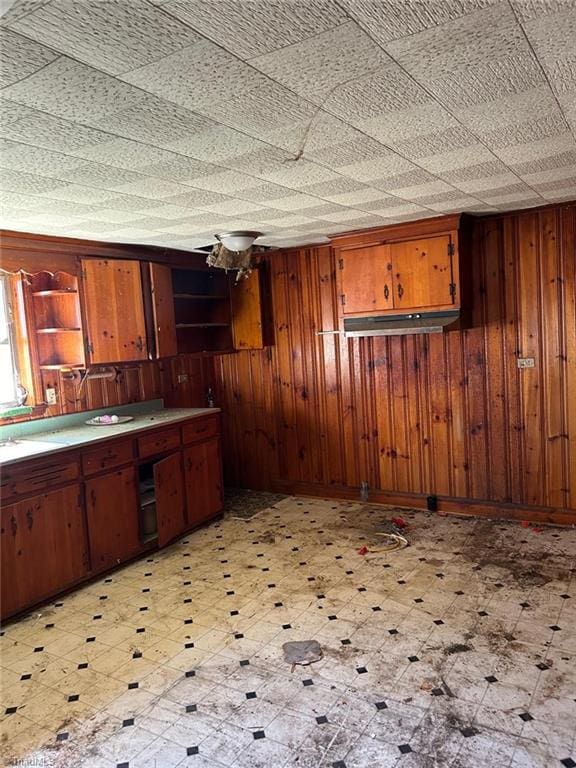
(113, 309)
(366, 280)
(203, 478)
(423, 274)
(43, 547)
(170, 499)
(246, 303)
(163, 310)
(112, 505)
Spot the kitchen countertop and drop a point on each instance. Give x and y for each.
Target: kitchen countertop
(81, 435)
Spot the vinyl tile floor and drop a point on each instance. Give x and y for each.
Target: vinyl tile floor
(458, 651)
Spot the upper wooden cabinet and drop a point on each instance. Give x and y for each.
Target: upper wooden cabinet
(212, 314)
(159, 302)
(390, 272)
(113, 310)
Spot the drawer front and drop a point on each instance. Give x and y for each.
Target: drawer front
(113, 455)
(158, 442)
(25, 478)
(200, 429)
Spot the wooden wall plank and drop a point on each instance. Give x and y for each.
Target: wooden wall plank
(450, 415)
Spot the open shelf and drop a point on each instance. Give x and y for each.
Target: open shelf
(202, 310)
(56, 319)
(56, 292)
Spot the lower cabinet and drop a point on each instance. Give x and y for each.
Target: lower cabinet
(203, 479)
(112, 505)
(162, 499)
(43, 547)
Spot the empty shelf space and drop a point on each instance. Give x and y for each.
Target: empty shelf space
(202, 325)
(199, 296)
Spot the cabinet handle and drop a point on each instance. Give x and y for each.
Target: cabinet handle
(400, 291)
(386, 292)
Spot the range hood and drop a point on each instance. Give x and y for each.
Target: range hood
(400, 325)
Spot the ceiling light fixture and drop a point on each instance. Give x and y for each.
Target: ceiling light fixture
(238, 241)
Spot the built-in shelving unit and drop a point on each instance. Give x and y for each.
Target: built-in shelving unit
(202, 310)
(56, 320)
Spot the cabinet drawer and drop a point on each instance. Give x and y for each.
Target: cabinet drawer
(25, 478)
(158, 442)
(111, 456)
(199, 429)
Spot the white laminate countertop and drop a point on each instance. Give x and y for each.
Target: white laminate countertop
(81, 435)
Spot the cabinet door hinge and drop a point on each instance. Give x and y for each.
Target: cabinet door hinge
(342, 299)
(453, 290)
(450, 249)
(340, 263)
(89, 346)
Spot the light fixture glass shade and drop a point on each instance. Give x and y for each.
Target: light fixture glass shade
(238, 241)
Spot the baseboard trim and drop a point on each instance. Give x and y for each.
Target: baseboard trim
(446, 504)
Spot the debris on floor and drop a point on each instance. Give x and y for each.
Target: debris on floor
(302, 652)
(390, 538)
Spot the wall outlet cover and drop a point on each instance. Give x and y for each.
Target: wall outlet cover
(526, 362)
(51, 398)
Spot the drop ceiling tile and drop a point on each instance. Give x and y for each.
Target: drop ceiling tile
(257, 27)
(390, 164)
(296, 202)
(520, 153)
(200, 75)
(476, 186)
(126, 203)
(514, 199)
(552, 175)
(550, 162)
(454, 204)
(533, 104)
(471, 172)
(298, 174)
(20, 57)
(100, 176)
(291, 221)
(11, 112)
(458, 158)
(152, 120)
(387, 20)
(256, 163)
(315, 67)
(227, 182)
(73, 91)
(194, 198)
(402, 208)
(384, 202)
(132, 35)
(319, 211)
(550, 125)
(553, 37)
(123, 153)
(262, 112)
(263, 192)
(327, 189)
(152, 187)
(438, 142)
(217, 144)
(75, 192)
(420, 191)
(165, 212)
(407, 124)
(382, 91)
(408, 178)
(19, 181)
(232, 207)
(12, 11)
(359, 199)
(42, 130)
(23, 157)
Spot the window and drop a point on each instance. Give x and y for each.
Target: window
(10, 392)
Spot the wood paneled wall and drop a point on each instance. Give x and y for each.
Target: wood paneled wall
(447, 415)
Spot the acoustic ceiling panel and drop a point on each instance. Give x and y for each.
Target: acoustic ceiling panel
(165, 121)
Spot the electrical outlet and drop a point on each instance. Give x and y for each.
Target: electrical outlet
(525, 362)
(182, 378)
(51, 396)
